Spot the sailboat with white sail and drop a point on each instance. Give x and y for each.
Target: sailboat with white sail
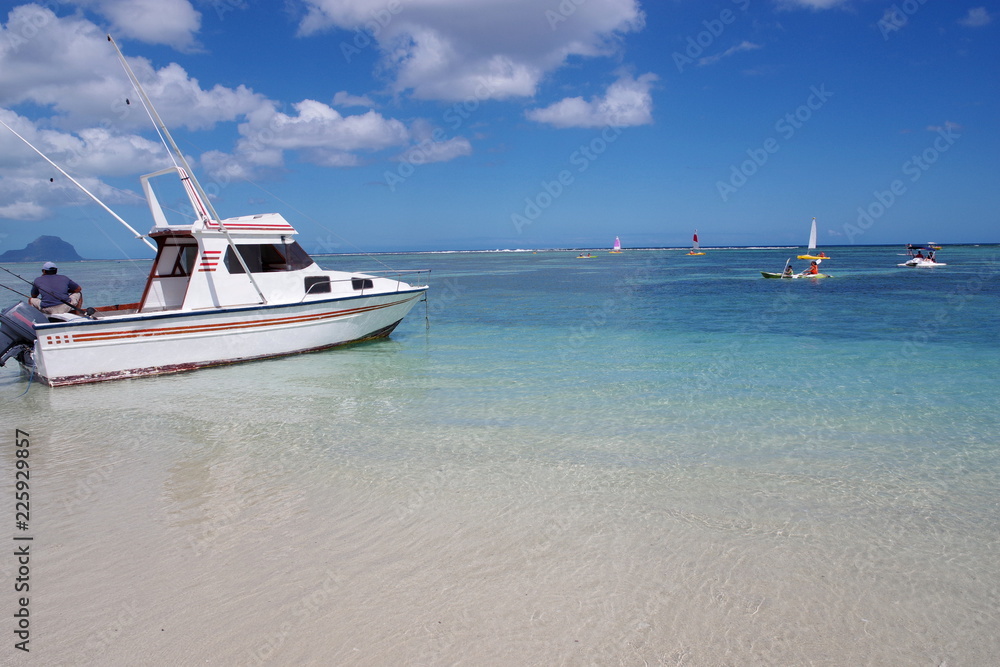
(812, 244)
(219, 291)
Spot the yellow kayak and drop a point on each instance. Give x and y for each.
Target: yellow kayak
(813, 257)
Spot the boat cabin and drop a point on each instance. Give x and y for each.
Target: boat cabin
(242, 261)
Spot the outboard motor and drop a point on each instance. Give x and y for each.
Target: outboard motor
(17, 332)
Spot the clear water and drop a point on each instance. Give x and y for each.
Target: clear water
(645, 458)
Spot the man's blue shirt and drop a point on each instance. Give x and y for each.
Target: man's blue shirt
(54, 289)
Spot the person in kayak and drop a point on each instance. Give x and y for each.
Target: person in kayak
(788, 272)
(812, 270)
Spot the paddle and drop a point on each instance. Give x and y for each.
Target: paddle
(804, 274)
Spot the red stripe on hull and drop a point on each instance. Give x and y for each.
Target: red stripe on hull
(224, 326)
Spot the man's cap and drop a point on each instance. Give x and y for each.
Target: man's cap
(48, 266)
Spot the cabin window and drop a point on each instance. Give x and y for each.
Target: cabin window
(183, 262)
(317, 284)
(263, 258)
(296, 256)
(251, 255)
(361, 283)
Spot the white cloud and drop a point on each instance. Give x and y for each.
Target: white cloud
(170, 22)
(742, 46)
(627, 102)
(344, 99)
(67, 65)
(815, 5)
(317, 132)
(976, 18)
(89, 156)
(64, 70)
(429, 145)
(948, 125)
(321, 126)
(90, 152)
(182, 102)
(457, 50)
(23, 210)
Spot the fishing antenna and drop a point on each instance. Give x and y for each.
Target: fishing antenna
(200, 198)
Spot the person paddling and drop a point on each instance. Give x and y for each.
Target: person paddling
(812, 270)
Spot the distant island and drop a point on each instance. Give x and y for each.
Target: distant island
(43, 249)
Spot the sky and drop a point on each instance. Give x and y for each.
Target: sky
(412, 125)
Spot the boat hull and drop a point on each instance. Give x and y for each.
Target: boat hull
(794, 275)
(84, 351)
(922, 264)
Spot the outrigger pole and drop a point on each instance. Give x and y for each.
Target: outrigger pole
(77, 184)
(200, 198)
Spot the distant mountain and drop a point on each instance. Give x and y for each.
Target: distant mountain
(43, 249)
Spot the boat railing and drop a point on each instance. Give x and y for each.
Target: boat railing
(389, 273)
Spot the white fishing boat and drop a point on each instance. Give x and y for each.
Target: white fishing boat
(219, 291)
(617, 247)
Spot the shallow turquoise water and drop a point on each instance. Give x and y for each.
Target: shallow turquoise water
(746, 466)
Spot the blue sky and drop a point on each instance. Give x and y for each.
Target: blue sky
(478, 124)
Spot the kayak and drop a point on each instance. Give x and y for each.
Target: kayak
(812, 257)
(794, 275)
(695, 253)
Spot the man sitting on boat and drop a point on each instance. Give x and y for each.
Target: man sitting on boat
(53, 294)
(788, 273)
(812, 270)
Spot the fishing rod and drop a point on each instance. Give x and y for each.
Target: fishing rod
(15, 291)
(75, 309)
